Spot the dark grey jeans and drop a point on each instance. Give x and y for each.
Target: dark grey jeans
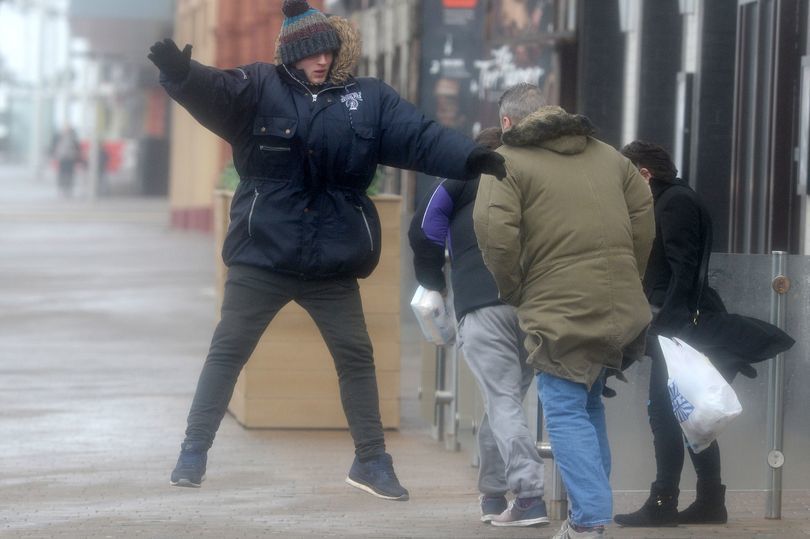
(252, 298)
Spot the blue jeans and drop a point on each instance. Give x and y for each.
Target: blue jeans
(575, 421)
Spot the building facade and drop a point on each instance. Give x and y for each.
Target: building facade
(114, 98)
(722, 84)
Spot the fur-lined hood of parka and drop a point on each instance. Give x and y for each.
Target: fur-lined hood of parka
(347, 56)
(552, 128)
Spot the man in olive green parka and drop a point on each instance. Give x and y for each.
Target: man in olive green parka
(566, 236)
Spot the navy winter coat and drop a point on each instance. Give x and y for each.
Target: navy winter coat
(306, 159)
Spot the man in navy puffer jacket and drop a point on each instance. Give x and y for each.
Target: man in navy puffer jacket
(307, 138)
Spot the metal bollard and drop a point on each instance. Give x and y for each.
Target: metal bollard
(776, 391)
(451, 441)
(445, 404)
(558, 502)
(440, 396)
(559, 497)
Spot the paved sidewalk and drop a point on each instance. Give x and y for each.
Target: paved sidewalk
(105, 317)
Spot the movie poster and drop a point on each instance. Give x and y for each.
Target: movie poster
(473, 50)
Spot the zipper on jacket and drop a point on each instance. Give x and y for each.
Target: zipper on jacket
(273, 148)
(304, 86)
(368, 228)
(252, 207)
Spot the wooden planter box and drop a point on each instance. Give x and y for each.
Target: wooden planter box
(290, 380)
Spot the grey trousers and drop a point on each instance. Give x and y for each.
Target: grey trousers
(492, 343)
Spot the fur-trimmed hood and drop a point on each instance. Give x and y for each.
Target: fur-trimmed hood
(347, 56)
(552, 128)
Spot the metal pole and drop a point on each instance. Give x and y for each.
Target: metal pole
(38, 114)
(776, 391)
(451, 442)
(442, 396)
(558, 502)
(438, 404)
(559, 497)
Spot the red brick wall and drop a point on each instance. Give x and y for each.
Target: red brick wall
(248, 29)
(246, 32)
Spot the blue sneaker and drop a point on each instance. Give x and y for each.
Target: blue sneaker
(376, 476)
(190, 469)
(492, 506)
(523, 512)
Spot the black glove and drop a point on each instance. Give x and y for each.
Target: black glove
(172, 62)
(482, 160)
(609, 392)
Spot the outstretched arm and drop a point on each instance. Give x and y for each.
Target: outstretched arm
(411, 141)
(222, 100)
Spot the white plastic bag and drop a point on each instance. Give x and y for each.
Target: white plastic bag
(702, 400)
(435, 319)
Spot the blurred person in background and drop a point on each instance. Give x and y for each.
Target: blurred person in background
(566, 236)
(306, 138)
(67, 152)
(102, 179)
(490, 337)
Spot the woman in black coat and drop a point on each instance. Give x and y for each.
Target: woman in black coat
(671, 283)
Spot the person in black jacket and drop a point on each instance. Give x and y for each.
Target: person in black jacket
(67, 151)
(490, 337)
(671, 283)
(306, 138)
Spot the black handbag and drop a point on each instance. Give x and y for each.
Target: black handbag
(731, 341)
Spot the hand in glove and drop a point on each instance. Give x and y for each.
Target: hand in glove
(172, 62)
(485, 161)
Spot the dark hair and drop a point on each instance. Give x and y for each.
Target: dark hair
(652, 157)
(490, 137)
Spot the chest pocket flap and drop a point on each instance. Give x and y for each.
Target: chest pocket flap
(275, 126)
(365, 132)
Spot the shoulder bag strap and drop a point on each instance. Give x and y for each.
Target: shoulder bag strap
(704, 264)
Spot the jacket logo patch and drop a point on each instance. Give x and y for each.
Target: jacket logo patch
(352, 100)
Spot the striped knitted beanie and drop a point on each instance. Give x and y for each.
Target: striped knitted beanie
(306, 31)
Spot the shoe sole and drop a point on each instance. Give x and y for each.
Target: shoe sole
(366, 488)
(488, 518)
(542, 521)
(187, 483)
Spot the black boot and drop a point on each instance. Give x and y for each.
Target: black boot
(709, 506)
(660, 509)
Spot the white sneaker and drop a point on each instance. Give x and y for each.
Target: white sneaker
(514, 515)
(567, 532)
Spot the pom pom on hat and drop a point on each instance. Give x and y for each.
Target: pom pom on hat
(291, 8)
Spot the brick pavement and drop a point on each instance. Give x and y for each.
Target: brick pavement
(105, 319)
